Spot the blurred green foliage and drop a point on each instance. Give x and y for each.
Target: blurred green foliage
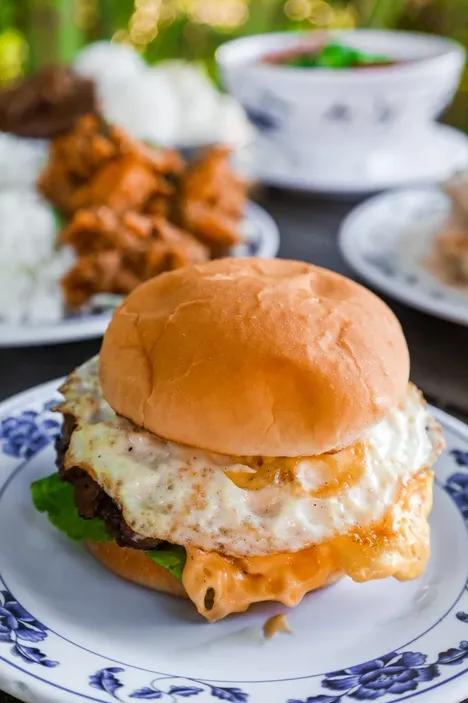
(34, 32)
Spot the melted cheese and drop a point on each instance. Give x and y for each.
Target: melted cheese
(398, 546)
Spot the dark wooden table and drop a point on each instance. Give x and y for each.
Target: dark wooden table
(309, 226)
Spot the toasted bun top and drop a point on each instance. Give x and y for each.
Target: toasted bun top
(254, 357)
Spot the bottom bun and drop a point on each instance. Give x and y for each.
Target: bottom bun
(134, 565)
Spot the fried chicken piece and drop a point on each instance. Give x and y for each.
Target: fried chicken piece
(125, 183)
(57, 185)
(122, 196)
(119, 251)
(86, 149)
(211, 200)
(159, 205)
(103, 272)
(74, 159)
(165, 161)
(184, 249)
(219, 230)
(96, 159)
(100, 229)
(212, 180)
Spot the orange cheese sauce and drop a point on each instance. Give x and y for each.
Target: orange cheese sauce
(398, 546)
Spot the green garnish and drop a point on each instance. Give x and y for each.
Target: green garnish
(56, 498)
(336, 56)
(171, 557)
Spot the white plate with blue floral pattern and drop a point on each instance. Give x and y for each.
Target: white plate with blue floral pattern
(389, 241)
(70, 631)
(261, 239)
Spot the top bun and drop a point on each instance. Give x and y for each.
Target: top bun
(254, 357)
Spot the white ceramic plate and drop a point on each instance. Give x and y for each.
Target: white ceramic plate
(262, 240)
(71, 631)
(435, 155)
(388, 241)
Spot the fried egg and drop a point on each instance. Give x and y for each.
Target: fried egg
(248, 506)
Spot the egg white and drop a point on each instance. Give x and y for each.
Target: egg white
(184, 496)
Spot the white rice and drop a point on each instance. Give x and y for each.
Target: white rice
(21, 161)
(145, 106)
(173, 104)
(204, 114)
(30, 266)
(103, 61)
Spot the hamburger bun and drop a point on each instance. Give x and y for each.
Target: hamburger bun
(254, 357)
(135, 566)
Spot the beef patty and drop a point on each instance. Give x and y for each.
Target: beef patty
(92, 501)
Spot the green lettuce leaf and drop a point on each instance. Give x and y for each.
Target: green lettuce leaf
(171, 557)
(56, 498)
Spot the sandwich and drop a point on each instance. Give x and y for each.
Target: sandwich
(248, 433)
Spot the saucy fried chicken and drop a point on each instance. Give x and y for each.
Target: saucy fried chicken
(136, 211)
(124, 183)
(97, 164)
(116, 252)
(211, 200)
(101, 229)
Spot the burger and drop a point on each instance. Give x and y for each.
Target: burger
(248, 433)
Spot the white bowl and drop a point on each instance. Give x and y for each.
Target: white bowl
(349, 113)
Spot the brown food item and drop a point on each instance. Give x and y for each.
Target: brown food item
(46, 104)
(122, 198)
(182, 247)
(124, 183)
(116, 252)
(96, 273)
(249, 325)
(211, 200)
(217, 230)
(159, 205)
(102, 229)
(97, 164)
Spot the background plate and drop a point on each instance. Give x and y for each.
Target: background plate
(262, 240)
(432, 157)
(388, 241)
